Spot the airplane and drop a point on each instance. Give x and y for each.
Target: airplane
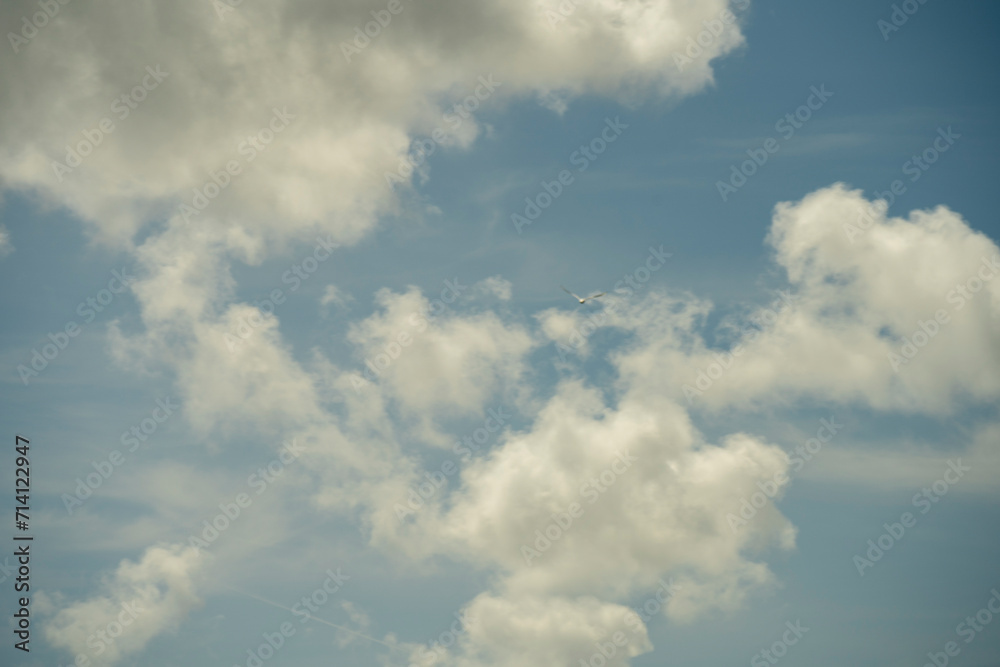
(583, 300)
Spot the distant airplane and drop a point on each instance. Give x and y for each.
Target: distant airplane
(583, 299)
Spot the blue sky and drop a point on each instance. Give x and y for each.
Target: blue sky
(576, 384)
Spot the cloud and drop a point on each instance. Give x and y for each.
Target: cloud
(538, 632)
(142, 600)
(648, 491)
(342, 120)
(652, 492)
(830, 340)
(333, 294)
(232, 82)
(900, 316)
(434, 362)
(589, 507)
(497, 286)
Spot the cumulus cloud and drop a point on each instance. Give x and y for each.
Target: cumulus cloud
(652, 494)
(228, 357)
(538, 632)
(221, 92)
(902, 315)
(564, 328)
(141, 600)
(669, 512)
(435, 362)
(589, 507)
(648, 493)
(225, 90)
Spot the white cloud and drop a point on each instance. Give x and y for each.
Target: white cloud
(666, 513)
(142, 600)
(527, 631)
(659, 513)
(353, 121)
(853, 304)
(434, 362)
(651, 498)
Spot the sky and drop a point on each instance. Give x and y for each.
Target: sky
(287, 337)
